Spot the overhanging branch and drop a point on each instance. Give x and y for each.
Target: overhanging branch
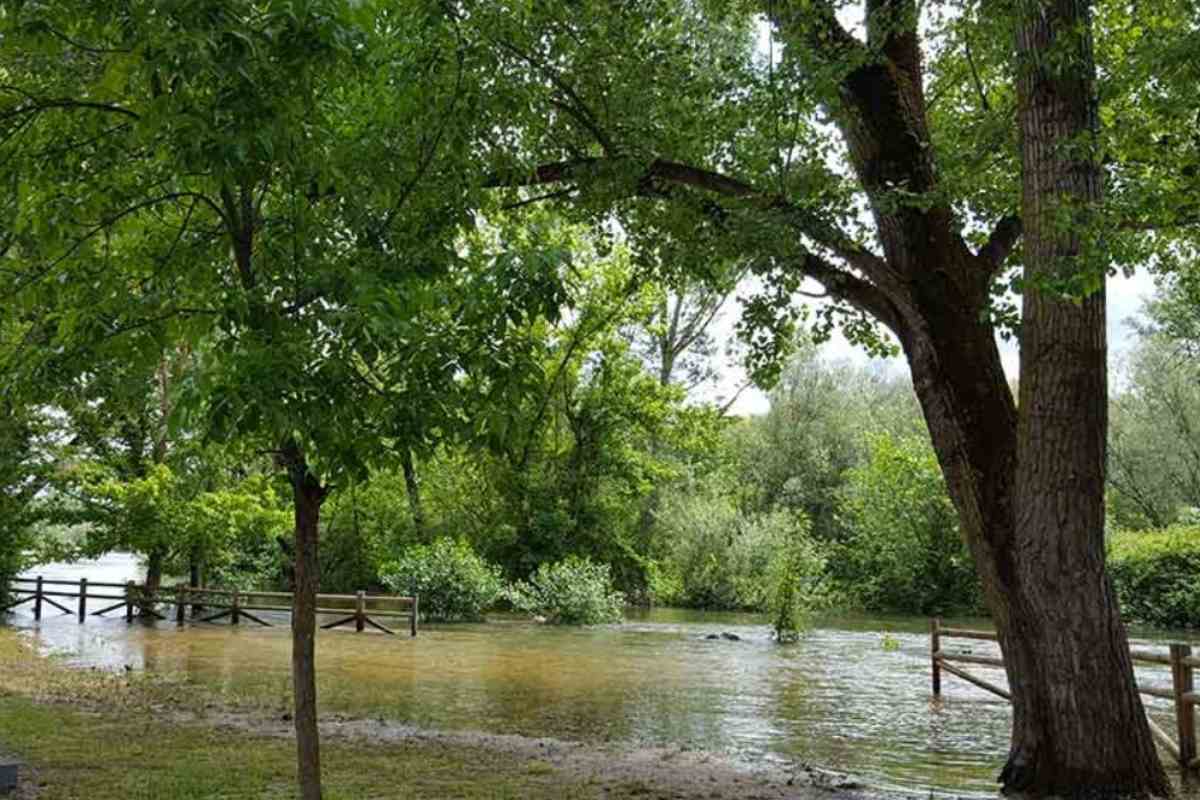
(851, 289)
(662, 171)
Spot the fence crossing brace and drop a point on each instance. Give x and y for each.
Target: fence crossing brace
(232, 603)
(1182, 692)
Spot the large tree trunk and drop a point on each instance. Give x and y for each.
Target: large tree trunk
(308, 494)
(1079, 728)
(413, 488)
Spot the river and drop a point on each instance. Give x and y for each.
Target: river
(853, 695)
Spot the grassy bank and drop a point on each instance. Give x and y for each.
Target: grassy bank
(122, 735)
(92, 755)
(99, 735)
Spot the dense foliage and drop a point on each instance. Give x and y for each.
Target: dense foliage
(1157, 575)
(902, 549)
(453, 583)
(414, 240)
(574, 591)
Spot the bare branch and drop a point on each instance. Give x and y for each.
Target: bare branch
(975, 74)
(39, 104)
(540, 198)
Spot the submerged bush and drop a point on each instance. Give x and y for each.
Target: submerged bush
(574, 591)
(453, 582)
(1157, 575)
(796, 576)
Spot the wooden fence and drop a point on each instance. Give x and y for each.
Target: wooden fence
(1178, 657)
(208, 605)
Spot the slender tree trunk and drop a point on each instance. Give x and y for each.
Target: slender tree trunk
(414, 492)
(1079, 728)
(308, 494)
(195, 577)
(154, 572)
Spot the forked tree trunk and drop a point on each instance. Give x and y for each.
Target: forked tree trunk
(1078, 727)
(308, 494)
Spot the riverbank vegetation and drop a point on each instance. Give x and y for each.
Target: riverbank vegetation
(471, 251)
(833, 498)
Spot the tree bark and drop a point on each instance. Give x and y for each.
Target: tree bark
(154, 571)
(308, 494)
(414, 492)
(1079, 728)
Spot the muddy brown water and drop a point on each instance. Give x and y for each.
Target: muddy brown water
(854, 695)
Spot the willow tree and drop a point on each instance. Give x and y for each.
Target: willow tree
(894, 153)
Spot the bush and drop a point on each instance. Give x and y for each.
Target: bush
(796, 576)
(1157, 575)
(903, 550)
(721, 558)
(574, 591)
(453, 582)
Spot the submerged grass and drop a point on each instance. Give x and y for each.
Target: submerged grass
(99, 735)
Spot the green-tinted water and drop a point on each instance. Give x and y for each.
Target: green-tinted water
(839, 699)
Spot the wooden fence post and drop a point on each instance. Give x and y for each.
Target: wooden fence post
(935, 645)
(180, 603)
(415, 609)
(235, 615)
(82, 598)
(360, 611)
(1185, 714)
(37, 599)
(129, 601)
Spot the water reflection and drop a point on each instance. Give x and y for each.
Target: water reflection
(838, 699)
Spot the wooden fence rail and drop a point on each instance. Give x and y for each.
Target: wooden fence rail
(361, 608)
(1182, 692)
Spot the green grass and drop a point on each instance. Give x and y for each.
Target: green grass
(97, 735)
(98, 756)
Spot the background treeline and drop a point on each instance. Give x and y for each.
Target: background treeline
(610, 482)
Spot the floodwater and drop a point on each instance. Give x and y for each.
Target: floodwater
(854, 695)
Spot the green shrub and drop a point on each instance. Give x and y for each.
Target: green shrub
(1157, 575)
(796, 577)
(453, 582)
(719, 557)
(574, 591)
(903, 550)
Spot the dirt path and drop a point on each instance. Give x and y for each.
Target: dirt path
(659, 772)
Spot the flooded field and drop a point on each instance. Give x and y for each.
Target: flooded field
(854, 695)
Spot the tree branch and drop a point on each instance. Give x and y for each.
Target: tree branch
(1002, 240)
(661, 171)
(862, 294)
(38, 104)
